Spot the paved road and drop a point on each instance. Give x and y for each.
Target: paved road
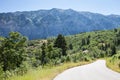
(93, 71)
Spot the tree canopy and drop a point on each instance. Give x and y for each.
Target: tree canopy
(12, 51)
(61, 43)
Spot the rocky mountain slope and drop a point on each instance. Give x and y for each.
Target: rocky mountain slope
(48, 23)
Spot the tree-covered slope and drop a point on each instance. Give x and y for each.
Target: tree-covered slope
(96, 44)
(18, 56)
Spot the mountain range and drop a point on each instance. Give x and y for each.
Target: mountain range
(48, 23)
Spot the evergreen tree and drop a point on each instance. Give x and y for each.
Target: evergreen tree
(117, 38)
(87, 41)
(61, 43)
(83, 42)
(115, 30)
(113, 48)
(43, 54)
(70, 46)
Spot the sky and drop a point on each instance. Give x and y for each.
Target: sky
(97, 6)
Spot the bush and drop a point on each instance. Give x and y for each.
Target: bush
(1, 73)
(68, 58)
(24, 67)
(63, 59)
(74, 58)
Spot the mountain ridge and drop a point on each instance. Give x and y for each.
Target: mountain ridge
(47, 23)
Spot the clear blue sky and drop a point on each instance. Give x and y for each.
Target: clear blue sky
(96, 6)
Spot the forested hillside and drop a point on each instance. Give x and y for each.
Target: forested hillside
(18, 54)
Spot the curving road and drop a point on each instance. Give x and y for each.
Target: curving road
(93, 71)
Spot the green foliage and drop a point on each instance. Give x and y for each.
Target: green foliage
(68, 58)
(114, 62)
(43, 56)
(61, 43)
(1, 73)
(70, 46)
(12, 51)
(117, 38)
(85, 41)
(15, 56)
(24, 67)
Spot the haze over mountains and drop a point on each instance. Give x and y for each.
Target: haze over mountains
(48, 23)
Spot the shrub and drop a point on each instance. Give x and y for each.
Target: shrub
(68, 58)
(63, 59)
(1, 73)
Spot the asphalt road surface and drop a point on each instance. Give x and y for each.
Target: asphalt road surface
(93, 71)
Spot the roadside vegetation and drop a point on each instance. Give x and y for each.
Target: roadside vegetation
(114, 62)
(47, 73)
(23, 59)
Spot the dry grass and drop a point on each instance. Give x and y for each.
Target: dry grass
(46, 73)
(113, 64)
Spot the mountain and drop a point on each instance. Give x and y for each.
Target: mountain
(48, 23)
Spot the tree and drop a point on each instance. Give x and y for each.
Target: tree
(113, 48)
(85, 41)
(115, 30)
(60, 42)
(43, 54)
(70, 46)
(12, 51)
(117, 38)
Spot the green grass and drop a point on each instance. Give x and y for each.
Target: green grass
(114, 63)
(46, 73)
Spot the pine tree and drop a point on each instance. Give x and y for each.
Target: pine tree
(70, 46)
(113, 48)
(43, 54)
(61, 43)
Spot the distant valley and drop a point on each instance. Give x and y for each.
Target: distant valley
(48, 23)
